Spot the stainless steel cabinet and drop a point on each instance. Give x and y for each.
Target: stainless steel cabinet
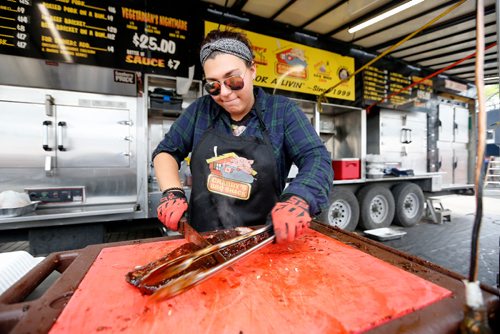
(452, 144)
(399, 137)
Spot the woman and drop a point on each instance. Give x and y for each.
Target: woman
(243, 143)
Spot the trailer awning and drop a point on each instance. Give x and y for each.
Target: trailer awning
(444, 42)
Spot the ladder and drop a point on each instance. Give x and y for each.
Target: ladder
(492, 176)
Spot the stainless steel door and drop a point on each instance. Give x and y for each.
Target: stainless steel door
(24, 129)
(446, 123)
(391, 136)
(461, 125)
(459, 163)
(93, 137)
(446, 162)
(416, 125)
(415, 142)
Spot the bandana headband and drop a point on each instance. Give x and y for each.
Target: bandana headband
(226, 45)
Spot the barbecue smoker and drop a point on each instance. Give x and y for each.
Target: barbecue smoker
(69, 141)
(78, 140)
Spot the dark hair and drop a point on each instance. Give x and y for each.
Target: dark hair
(230, 33)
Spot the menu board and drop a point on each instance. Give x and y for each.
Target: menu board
(381, 86)
(108, 33)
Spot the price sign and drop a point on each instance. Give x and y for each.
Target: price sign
(153, 44)
(160, 45)
(14, 25)
(106, 33)
(391, 89)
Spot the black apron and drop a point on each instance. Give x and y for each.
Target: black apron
(235, 180)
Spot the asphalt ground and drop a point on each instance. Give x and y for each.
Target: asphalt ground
(448, 244)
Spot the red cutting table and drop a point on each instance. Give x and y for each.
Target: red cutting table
(314, 285)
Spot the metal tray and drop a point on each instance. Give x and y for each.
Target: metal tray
(14, 212)
(385, 233)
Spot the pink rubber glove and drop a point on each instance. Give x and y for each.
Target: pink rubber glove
(290, 218)
(172, 206)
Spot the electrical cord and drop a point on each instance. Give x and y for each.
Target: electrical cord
(475, 319)
(481, 140)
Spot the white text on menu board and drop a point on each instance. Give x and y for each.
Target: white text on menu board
(147, 42)
(60, 18)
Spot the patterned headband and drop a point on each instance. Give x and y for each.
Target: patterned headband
(226, 45)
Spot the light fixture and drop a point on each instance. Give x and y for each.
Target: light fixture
(301, 34)
(384, 15)
(413, 68)
(226, 14)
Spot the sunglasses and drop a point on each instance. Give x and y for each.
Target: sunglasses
(235, 82)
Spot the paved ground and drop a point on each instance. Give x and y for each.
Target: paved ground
(446, 244)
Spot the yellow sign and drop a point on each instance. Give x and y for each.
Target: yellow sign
(295, 67)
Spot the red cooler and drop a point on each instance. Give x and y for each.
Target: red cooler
(346, 169)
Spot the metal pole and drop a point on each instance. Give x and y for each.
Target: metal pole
(497, 7)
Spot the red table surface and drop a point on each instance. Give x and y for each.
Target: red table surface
(314, 285)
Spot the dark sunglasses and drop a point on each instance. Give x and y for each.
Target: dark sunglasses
(235, 82)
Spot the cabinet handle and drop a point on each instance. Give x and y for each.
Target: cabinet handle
(60, 143)
(405, 137)
(126, 122)
(408, 138)
(48, 166)
(404, 153)
(45, 139)
(49, 104)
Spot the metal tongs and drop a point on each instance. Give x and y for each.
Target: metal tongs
(179, 284)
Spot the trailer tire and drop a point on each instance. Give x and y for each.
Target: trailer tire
(409, 199)
(377, 207)
(343, 211)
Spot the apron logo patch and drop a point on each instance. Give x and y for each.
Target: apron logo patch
(231, 175)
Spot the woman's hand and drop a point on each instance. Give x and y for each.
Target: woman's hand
(172, 206)
(290, 218)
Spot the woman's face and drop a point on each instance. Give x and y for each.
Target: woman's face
(236, 102)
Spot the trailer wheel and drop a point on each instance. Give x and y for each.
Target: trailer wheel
(409, 200)
(376, 207)
(343, 211)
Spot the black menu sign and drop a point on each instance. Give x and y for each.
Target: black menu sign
(387, 89)
(375, 82)
(108, 33)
